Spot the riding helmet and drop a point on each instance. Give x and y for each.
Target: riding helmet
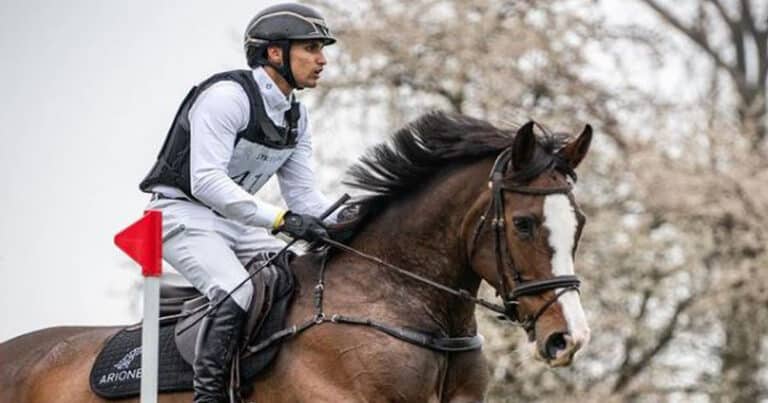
(279, 25)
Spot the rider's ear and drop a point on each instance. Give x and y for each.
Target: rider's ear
(575, 150)
(275, 54)
(523, 146)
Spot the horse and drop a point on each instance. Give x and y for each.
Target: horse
(452, 201)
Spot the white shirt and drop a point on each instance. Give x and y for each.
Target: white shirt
(217, 115)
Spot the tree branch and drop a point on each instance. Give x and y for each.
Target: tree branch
(697, 37)
(737, 36)
(723, 12)
(747, 19)
(632, 370)
(761, 42)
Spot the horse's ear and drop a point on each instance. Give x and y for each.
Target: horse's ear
(575, 150)
(523, 146)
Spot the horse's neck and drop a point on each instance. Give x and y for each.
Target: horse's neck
(421, 234)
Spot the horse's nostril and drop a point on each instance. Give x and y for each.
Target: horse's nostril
(555, 343)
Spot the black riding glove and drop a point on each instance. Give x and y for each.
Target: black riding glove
(303, 226)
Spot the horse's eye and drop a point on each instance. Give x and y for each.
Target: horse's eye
(524, 226)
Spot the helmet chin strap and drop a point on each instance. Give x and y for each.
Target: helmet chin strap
(285, 68)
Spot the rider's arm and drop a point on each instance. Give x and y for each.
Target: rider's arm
(297, 177)
(218, 114)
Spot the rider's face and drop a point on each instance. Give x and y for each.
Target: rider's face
(307, 62)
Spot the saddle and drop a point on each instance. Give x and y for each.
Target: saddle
(116, 373)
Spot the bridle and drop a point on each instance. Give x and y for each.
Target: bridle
(498, 184)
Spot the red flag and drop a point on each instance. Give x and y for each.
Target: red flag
(143, 242)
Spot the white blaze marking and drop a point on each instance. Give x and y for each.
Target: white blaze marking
(560, 220)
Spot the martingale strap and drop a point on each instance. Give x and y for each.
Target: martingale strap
(413, 336)
(417, 337)
(443, 344)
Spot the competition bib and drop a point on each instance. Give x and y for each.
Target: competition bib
(252, 164)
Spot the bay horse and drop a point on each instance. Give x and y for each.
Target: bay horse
(453, 200)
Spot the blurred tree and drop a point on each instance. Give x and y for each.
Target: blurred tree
(677, 229)
(733, 36)
(501, 60)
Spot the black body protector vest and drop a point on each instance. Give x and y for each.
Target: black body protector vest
(260, 150)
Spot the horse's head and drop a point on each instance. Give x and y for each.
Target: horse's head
(519, 234)
(522, 235)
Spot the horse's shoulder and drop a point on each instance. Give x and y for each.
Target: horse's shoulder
(305, 268)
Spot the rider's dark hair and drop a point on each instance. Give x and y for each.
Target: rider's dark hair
(253, 55)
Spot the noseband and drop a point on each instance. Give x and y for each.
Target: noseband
(511, 299)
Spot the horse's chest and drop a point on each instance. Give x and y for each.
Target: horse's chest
(381, 363)
(360, 362)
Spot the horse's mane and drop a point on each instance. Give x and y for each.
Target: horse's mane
(426, 145)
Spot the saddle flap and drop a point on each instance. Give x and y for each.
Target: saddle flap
(266, 280)
(185, 339)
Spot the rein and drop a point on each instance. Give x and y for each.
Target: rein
(510, 298)
(461, 293)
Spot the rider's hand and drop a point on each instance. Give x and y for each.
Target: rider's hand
(302, 226)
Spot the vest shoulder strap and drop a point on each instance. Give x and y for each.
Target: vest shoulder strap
(261, 128)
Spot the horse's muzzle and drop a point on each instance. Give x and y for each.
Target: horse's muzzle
(559, 348)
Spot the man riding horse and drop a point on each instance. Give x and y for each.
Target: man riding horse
(231, 134)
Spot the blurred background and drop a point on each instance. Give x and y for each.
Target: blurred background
(673, 258)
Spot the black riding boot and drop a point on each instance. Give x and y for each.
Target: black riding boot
(216, 343)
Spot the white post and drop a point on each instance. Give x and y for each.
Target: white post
(143, 242)
(150, 339)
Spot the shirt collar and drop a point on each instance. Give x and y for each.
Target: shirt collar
(270, 92)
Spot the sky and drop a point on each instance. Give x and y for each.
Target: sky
(88, 91)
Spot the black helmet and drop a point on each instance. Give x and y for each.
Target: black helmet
(279, 25)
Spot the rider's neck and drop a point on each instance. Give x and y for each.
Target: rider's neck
(279, 80)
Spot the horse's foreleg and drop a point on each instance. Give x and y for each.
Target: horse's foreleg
(467, 378)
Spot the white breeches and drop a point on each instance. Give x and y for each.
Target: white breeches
(212, 250)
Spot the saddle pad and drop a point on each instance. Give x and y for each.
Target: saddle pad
(116, 374)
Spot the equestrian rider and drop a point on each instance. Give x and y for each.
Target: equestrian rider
(231, 134)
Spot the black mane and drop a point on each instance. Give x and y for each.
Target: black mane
(429, 143)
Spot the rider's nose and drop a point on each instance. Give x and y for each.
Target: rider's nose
(560, 348)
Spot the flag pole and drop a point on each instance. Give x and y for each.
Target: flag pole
(150, 339)
(142, 241)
